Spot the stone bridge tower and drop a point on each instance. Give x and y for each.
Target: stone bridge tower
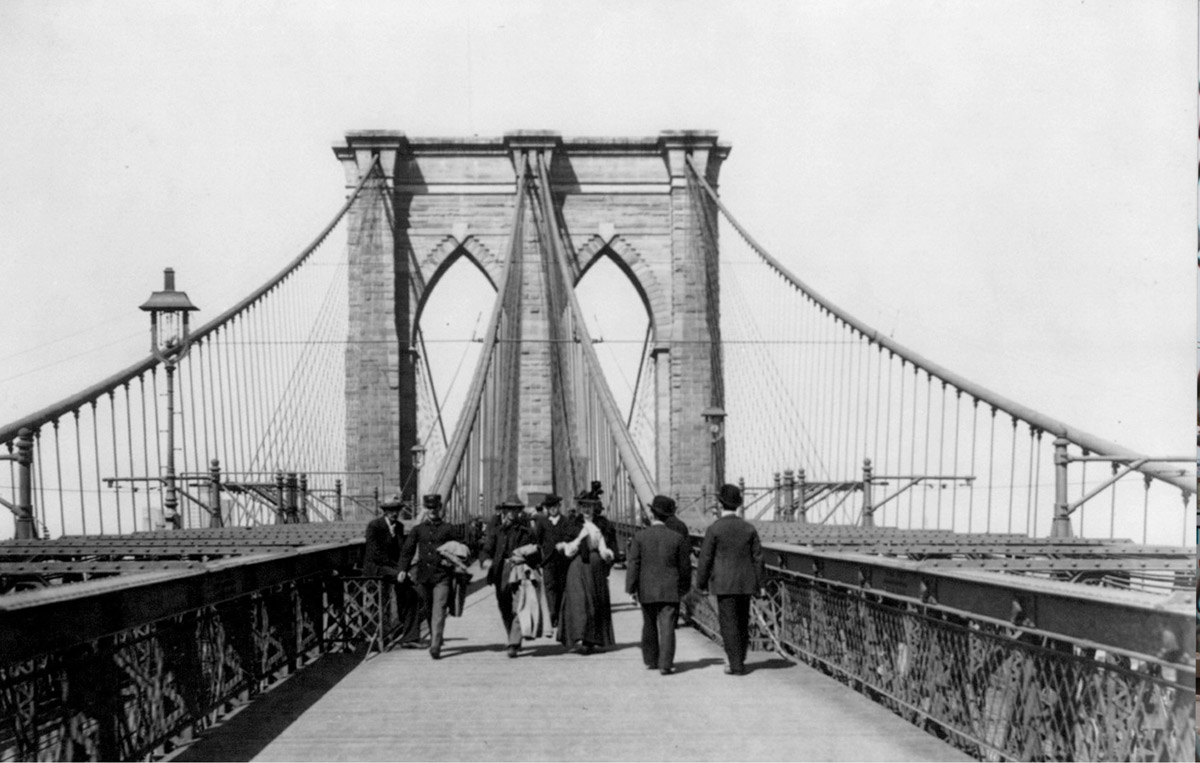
(624, 198)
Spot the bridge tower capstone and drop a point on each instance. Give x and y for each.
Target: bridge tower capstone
(628, 199)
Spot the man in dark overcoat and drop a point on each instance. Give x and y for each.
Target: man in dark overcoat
(658, 574)
(381, 557)
(433, 573)
(731, 560)
(551, 528)
(512, 533)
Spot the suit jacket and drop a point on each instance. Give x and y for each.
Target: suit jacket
(547, 534)
(500, 545)
(731, 557)
(659, 565)
(423, 542)
(675, 523)
(381, 553)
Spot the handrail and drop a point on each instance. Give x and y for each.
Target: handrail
(107, 386)
(443, 481)
(1034, 418)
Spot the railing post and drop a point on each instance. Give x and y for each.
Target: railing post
(868, 512)
(304, 497)
(704, 508)
(292, 515)
(25, 527)
(1061, 526)
(376, 492)
(214, 494)
(775, 494)
(789, 494)
(801, 508)
(280, 512)
(337, 500)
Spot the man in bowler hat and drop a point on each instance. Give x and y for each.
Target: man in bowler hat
(731, 560)
(433, 573)
(658, 575)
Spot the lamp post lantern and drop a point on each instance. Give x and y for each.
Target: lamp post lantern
(170, 340)
(715, 418)
(418, 460)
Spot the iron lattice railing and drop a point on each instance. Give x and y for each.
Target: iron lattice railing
(131, 695)
(994, 690)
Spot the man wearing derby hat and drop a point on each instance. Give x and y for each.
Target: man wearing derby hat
(664, 511)
(512, 533)
(731, 559)
(658, 576)
(381, 557)
(433, 573)
(551, 528)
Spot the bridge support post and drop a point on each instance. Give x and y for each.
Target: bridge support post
(290, 502)
(801, 509)
(280, 511)
(214, 494)
(1061, 526)
(789, 495)
(776, 501)
(337, 500)
(303, 498)
(868, 511)
(25, 529)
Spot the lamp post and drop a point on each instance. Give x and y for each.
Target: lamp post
(715, 418)
(170, 340)
(418, 460)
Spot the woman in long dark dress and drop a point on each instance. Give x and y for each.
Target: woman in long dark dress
(585, 620)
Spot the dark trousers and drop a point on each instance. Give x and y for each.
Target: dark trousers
(658, 634)
(554, 581)
(435, 600)
(733, 615)
(505, 599)
(408, 609)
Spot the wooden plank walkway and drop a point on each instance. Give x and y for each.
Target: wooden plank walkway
(476, 704)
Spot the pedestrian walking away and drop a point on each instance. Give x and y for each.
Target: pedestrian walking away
(434, 572)
(381, 558)
(585, 622)
(731, 565)
(658, 574)
(511, 558)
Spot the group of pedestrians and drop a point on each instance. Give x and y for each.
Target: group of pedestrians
(565, 561)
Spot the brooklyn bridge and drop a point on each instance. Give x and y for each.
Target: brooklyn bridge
(952, 574)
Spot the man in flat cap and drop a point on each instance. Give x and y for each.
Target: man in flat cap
(731, 559)
(551, 528)
(659, 573)
(512, 533)
(433, 574)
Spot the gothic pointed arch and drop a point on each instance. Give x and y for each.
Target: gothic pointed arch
(442, 257)
(635, 268)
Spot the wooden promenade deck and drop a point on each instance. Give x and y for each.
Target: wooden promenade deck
(476, 704)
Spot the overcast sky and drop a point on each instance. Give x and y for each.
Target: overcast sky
(1008, 188)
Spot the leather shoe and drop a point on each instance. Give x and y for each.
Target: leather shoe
(731, 672)
(667, 671)
(512, 651)
(435, 654)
